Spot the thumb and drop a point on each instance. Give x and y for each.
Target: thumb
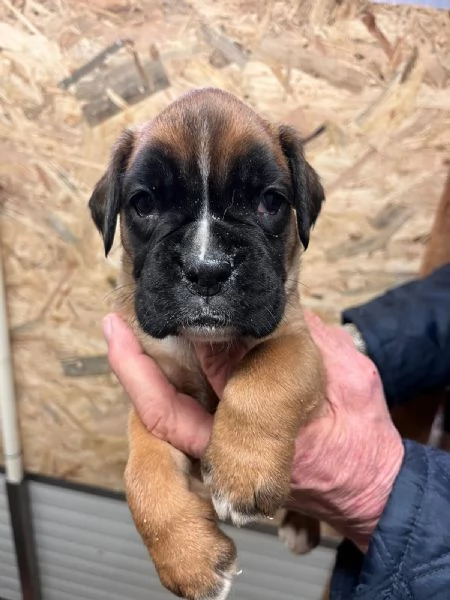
(167, 414)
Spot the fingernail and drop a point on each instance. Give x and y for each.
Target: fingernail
(107, 327)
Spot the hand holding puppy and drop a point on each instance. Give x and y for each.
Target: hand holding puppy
(346, 459)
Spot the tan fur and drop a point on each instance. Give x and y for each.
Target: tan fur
(272, 394)
(252, 445)
(241, 129)
(257, 419)
(274, 390)
(177, 526)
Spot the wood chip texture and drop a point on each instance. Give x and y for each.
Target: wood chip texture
(382, 157)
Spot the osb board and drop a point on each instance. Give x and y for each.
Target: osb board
(381, 160)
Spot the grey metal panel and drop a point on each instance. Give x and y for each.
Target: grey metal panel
(9, 578)
(88, 549)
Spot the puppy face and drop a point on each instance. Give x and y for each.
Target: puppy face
(213, 201)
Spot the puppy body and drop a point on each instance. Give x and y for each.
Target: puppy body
(214, 202)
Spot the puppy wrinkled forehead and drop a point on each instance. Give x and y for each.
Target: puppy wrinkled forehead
(210, 126)
(207, 155)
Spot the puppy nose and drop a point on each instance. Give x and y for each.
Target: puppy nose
(207, 275)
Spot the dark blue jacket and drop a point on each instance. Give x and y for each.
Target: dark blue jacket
(407, 332)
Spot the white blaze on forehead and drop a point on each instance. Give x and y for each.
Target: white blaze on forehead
(204, 159)
(202, 236)
(204, 163)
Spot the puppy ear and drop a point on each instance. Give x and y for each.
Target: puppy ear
(105, 201)
(308, 191)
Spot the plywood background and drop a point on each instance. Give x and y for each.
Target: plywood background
(383, 157)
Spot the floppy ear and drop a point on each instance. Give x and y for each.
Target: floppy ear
(308, 191)
(105, 200)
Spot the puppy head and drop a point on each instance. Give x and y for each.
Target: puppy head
(211, 199)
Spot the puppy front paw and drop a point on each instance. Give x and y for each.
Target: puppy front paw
(246, 484)
(198, 563)
(194, 559)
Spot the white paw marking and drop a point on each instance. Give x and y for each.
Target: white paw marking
(295, 539)
(227, 580)
(206, 479)
(222, 507)
(222, 595)
(225, 510)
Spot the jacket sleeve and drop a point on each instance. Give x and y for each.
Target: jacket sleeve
(407, 335)
(409, 553)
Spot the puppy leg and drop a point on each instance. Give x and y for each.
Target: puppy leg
(192, 556)
(248, 462)
(300, 533)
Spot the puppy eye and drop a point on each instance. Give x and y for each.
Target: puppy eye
(270, 203)
(144, 204)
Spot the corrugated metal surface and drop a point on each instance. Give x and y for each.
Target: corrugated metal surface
(9, 580)
(89, 550)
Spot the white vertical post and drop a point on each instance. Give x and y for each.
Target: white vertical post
(9, 420)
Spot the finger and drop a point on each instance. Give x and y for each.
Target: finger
(328, 338)
(174, 417)
(190, 429)
(219, 362)
(357, 374)
(134, 369)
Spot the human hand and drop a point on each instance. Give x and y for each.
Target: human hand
(346, 460)
(167, 413)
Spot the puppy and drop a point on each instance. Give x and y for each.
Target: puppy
(215, 205)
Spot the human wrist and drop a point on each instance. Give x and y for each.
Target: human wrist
(361, 515)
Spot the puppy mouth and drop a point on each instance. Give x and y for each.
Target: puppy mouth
(208, 328)
(209, 334)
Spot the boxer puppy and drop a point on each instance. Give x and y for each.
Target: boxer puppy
(215, 205)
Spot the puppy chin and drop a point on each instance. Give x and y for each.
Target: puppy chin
(209, 334)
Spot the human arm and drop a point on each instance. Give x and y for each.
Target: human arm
(409, 552)
(406, 332)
